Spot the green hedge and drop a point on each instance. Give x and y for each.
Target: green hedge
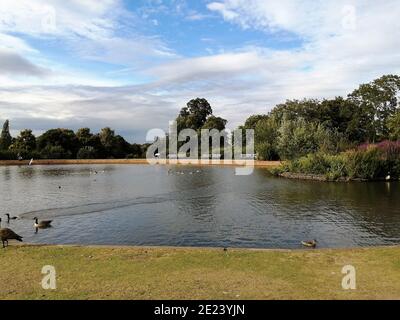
(369, 164)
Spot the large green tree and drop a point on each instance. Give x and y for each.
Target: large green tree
(377, 101)
(194, 115)
(252, 121)
(60, 143)
(114, 146)
(394, 126)
(5, 137)
(215, 123)
(25, 142)
(266, 138)
(84, 136)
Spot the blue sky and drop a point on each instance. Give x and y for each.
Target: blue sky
(133, 64)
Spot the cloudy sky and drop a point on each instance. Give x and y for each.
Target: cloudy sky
(133, 64)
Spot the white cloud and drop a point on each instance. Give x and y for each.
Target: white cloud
(12, 63)
(93, 29)
(88, 18)
(130, 110)
(203, 68)
(344, 43)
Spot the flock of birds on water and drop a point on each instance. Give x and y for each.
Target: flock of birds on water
(8, 234)
(173, 172)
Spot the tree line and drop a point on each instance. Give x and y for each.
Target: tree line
(67, 144)
(356, 137)
(83, 144)
(370, 114)
(291, 130)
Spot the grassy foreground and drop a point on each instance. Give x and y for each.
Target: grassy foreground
(178, 273)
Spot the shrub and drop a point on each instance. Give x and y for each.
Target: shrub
(356, 164)
(55, 152)
(368, 164)
(86, 153)
(8, 155)
(267, 151)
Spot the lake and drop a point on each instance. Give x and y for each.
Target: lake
(195, 206)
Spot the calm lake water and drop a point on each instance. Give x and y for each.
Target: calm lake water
(190, 206)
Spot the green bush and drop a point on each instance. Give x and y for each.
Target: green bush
(366, 164)
(55, 152)
(266, 151)
(8, 155)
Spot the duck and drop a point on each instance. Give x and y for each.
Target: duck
(10, 218)
(310, 244)
(7, 234)
(42, 224)
(388, 177)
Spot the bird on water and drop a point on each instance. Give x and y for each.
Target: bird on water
(10, 218)
(310, 244)
(42, 224)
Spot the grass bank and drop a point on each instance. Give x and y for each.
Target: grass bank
(188, 273)
(268, 164)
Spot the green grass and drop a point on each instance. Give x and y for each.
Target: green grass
(177, 273)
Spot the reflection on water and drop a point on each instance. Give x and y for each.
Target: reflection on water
(187, 206)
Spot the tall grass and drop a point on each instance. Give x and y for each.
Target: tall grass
(367, 162)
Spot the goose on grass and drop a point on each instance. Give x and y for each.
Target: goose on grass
(7, 234)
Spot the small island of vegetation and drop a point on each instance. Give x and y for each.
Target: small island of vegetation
(353, 138)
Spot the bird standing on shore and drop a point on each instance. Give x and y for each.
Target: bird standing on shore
(7, 234)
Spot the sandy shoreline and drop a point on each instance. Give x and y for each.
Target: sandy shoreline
(133, 161)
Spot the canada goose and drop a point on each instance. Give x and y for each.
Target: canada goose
(7, 234)
(42, 224)
(310, 244)
(10, 218)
